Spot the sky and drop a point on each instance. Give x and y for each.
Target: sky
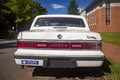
(61, 6)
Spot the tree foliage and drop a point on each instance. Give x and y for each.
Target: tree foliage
(7, 18)
(25, 9)
(16, 11)
(73, 8)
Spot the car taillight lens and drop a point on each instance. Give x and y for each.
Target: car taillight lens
(32, 44)
(58, 45)
(83, 45)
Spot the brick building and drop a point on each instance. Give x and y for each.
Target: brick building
(104, 15)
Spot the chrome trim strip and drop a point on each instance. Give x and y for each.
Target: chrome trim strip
(76, 58)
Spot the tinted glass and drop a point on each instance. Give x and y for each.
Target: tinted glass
(69, 22)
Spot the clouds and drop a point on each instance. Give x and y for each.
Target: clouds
(57, 6)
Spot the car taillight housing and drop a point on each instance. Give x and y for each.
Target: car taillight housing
(60, 45)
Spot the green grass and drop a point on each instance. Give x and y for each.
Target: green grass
(111, 70)
(113, 37)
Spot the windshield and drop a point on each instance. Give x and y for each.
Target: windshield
(56, 21)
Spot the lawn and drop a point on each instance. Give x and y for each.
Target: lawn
(113, 37)
(111, 70)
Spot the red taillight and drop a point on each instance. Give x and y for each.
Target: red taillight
(83, 45)
(32, 44)
(22, 44)
(57, 45)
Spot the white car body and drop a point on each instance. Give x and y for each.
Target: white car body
(59, 37)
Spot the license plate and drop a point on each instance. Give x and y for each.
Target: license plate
(30, 62)
(58, 63)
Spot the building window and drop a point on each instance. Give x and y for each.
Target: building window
(108, 13)
(94, 16)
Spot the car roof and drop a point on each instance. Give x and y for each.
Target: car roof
(60, 15)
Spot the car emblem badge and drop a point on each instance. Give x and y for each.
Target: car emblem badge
(59, 36)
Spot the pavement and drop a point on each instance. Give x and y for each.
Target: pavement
(8, 69)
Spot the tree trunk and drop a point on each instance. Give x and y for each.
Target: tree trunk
(16, 28)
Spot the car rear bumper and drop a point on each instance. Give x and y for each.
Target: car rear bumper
(58, 58)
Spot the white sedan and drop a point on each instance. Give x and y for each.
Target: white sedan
(59, 41)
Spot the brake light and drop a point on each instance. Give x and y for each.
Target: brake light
(83, 45)
(32, 44)
(58, 45)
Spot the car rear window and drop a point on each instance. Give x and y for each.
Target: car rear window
(56, 21)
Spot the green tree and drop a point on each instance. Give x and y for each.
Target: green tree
(14, 12)
(73, 8)
(37, 9)
(7, 18)
(25, 10)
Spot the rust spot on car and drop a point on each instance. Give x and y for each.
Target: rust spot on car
(61, 30)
